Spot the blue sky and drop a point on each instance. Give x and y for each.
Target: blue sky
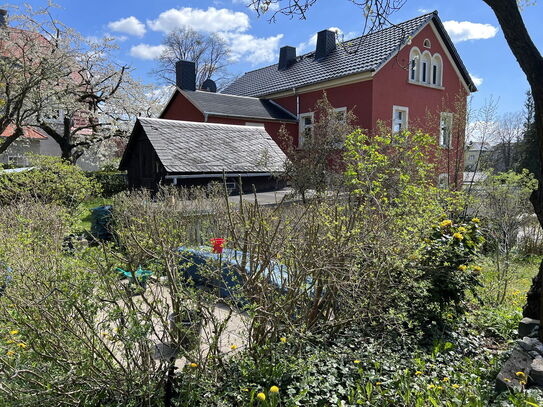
(141, 26)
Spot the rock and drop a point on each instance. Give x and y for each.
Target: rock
(519, 361)
(531, 345)
(536, 371)
(527, 326)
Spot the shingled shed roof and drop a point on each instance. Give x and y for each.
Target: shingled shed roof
(195, 147)
(363, 54)
(217, 104)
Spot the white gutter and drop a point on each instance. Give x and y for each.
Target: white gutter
(227, 175)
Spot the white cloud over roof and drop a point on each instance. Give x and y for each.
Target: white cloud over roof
(466, 30)
(210, 20)
(129, 25)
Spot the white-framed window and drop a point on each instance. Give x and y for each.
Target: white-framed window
(400, 116)
(414, 64)
(17, 160)
(443, 180)
(445, 129)
(341, 113)
(425, 67)
(437, 69)
(305, 127)
(471, 157)
(427, 43)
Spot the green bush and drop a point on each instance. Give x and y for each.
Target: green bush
(111, 182)
(50, 180)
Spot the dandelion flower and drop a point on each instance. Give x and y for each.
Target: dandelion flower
(10, 353)
(458, 236)
(233, 347)
(445, 379)
(418, 372)
(462, 229)
(356, 362)
(431, 386)
(274, 389)
(477, 268)
(455, 386)
(21, 345)
(14, 332)
(261, 396)
(446, 223)
(378, 383)
(194, 364)
(520, 374)
(522, 382)
(462, 267)
(283, 339)
(476, 220)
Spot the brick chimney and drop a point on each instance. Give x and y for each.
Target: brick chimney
(326, 43)
(185, 75)
(287, 56)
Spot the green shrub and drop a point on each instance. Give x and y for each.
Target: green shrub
(50, 180)
(111, 182)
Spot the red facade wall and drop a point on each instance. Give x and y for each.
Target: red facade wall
(391, 87)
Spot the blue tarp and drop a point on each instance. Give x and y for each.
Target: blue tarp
(196, 260)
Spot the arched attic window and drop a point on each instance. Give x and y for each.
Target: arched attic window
(436, 76)
(427, 43)
(426, 62)
(414, 64)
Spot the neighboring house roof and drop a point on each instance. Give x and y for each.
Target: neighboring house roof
(28, 132)
(362, 54)
(195, 147)
(479, 146)
(217, 104)
(474, 177)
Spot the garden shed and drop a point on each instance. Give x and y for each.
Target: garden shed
(186, 153)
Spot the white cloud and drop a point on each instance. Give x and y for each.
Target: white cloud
(210, 20)
(476, 80)
(130, 25)
(253, 49)
(466, 30)
(424, 10)
(146, 51)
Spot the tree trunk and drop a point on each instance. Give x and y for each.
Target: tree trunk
(531, 62)
(9, 140)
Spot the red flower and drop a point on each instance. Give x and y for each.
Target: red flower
(218, 244)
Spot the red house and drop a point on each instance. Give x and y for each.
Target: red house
(407, 75)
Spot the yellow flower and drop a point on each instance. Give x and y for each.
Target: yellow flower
(261, 396)
(245, 389)
(462, 229)
(21, 345)
(507, 380)
(522, 382)
(233, 347)
(446, 223)
(10, 341)
(477, 268)
(283, 339)
(455, 386)
(476, 220)
(14, 332)
(194, 364)
(462, 267)
(445, 379)
(10, 353)
(356, 362)
(458, 236)
(520, 374)
(431, 386)
(418, 372)
(440, 387)
(274, 389)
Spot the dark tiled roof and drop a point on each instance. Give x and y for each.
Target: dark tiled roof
(217, 104)
(195, 147)
(362, 54)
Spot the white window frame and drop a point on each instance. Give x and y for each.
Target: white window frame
(404, 122)
(437, 64)
(414, 65)
(302, 127)
(427, 43)
(445, 140)
(342, 110)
